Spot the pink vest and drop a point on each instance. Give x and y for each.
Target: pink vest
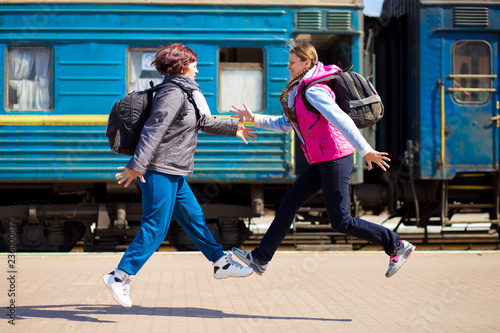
(323, 142)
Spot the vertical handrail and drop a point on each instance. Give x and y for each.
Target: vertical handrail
(444, 203)
(442, 129)
(444, 189)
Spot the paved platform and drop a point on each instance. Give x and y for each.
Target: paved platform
(300, 292)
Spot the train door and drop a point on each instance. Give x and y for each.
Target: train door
(471, 120)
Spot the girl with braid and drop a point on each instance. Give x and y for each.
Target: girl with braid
(328, 145)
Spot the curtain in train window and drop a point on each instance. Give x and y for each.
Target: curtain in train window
(30, 79)
(241, 78)
(140, 71)
(472, 69)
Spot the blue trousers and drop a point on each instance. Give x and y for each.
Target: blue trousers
(162, 196)
(333, 178)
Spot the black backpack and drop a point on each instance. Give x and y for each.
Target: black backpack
(355, 95)
(128, 116)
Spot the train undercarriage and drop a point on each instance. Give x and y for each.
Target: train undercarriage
(415, 209)
(104, 217)
(56, 223)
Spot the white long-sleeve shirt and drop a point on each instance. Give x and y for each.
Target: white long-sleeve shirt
(323, 102)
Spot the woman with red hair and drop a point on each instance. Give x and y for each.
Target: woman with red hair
(162, 160)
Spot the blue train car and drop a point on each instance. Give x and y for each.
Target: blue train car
(441, 90)
(66, 64)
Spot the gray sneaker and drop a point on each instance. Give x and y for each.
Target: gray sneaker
(259, 266)
(118, 282)
(226, 267)
(399, 256)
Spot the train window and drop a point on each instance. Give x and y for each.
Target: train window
(241, 78)
(29, 77)
(140, 71)
(472, 71)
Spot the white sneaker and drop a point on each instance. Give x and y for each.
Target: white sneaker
(118, 282)
(226, 267)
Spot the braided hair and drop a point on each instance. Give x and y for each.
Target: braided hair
(304, 50)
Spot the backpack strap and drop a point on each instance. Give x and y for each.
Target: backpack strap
(306, 102)
(365, 101)
(189, 94)
(308, 105)
(191, 100)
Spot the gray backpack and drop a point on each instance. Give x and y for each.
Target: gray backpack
(355, 95)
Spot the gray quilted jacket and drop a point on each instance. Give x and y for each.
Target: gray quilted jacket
(168, 140)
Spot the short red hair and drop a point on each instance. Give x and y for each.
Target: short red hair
(173, 59)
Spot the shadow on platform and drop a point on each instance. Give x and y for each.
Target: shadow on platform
(91, 313)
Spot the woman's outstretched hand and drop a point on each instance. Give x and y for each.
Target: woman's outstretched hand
(128, 176)
(245, 133)
(243, 114)
(377, 158)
